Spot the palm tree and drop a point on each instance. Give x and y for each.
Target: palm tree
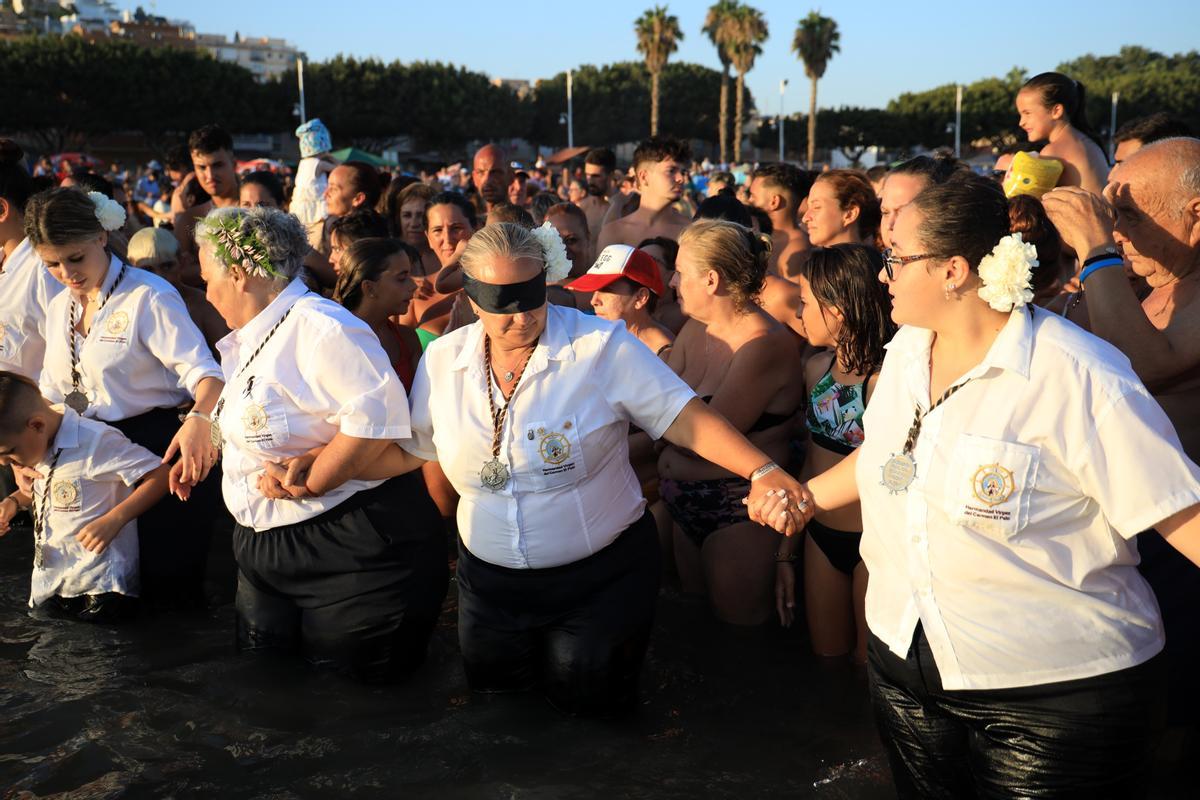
(815, 43)
(658, 36)
(747, 32)
(716, 27)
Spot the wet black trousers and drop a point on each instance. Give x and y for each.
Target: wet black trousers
(578, 631)
(357, 589)
(1088, 738)
(173, 536)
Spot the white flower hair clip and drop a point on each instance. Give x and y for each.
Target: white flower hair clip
(108, 211)
(558, 264)
(1006, 272)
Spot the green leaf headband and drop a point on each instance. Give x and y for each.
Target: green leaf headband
(238, 248)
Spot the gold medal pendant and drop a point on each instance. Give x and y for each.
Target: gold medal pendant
(494, 475)
(898, 473)
(76, 401)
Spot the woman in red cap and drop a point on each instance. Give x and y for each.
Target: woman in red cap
(625, 285)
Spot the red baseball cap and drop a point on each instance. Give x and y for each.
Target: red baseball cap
(620, 261)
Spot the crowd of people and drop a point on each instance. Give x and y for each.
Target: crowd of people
(948, 419)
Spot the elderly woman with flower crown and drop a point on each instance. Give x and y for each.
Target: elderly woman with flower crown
(121, 348)
(528, 411)
(350, 572)
(1009, 460)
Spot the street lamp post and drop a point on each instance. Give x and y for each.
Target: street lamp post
(570, 111)
(300, 80)
(782, 87)
(958, 121)
(1112, 127)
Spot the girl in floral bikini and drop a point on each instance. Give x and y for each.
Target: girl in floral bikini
(843, 307)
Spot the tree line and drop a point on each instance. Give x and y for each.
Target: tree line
(65, 91)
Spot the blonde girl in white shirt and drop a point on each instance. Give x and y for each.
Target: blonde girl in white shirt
(122, 348)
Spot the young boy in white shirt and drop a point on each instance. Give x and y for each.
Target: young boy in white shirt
(92, 483)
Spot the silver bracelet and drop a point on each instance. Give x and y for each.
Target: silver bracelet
(770, 466)
(198, 415)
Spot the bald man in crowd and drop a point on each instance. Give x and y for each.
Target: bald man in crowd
(1150, 216)
(492, 175)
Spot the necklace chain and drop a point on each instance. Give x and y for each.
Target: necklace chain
(221, 402)
(499, 414)
(911, 442)
(39, 519)
(73, 334)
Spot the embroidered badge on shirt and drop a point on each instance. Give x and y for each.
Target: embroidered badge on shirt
(555, 448)
(66, 496)
(254, 418)
(993, 484)
(115, 327)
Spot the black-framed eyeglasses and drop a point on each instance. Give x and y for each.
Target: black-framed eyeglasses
(891, 262)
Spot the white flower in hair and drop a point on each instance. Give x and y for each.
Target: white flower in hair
(558, 264)
(108, 211)
(1006, 272)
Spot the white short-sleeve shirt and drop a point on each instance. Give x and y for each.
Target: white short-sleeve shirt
(26, 289)
(321, 373)
(565, 441)
(142, 351)
(1013, 545)
(96, 471)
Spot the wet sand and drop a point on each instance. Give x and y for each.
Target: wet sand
(165, 708)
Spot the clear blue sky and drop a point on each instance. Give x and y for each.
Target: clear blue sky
(887, 48)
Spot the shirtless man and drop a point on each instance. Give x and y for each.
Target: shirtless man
(778, 189)
(492, 175)
(598, 168)
(214, 168)
(1150, 214)
(660, 164)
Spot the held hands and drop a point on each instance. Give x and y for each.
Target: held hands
(193, 443)
(97, 534)
(8, 510)
(286, 479)
(1084, 220)
(779, 501)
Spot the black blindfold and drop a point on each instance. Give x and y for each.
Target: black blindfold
(507, 298)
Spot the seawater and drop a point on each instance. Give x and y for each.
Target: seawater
(164, 707)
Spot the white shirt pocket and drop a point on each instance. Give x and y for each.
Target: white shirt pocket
(262, 417)
(989, 484)
(552, 454)
(12, 339)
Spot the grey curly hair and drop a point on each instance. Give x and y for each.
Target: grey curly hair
(281, 233)
(500, 240)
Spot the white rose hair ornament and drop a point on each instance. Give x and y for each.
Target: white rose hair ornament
(558, 263)
(1006, 273)
(109, 212)
(237, 247)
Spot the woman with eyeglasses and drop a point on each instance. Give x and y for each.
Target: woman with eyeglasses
(1009, 460)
